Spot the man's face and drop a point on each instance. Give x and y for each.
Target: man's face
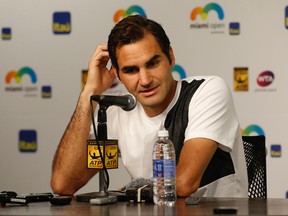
(146, 73)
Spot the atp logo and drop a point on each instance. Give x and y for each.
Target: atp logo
(203, 12)
(134, 9)
(17, 75)
(253, 129)
(178, 72)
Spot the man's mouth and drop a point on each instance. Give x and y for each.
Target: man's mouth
(149, 92)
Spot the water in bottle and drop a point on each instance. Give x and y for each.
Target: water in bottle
(164, 170)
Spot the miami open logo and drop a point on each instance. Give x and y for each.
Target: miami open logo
(253, 130)
(178, 72)
(200, 15)
(23, 80)
(134, 9)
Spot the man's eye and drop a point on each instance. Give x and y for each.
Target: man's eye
(152, 64)
(130, 70)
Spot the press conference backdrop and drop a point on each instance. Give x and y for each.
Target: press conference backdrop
(44, 51)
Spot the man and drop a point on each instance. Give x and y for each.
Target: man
(199, 114)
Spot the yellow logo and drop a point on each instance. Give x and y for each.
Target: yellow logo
(109, 150)
(241, 79)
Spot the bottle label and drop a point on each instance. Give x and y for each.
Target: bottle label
(164, 168)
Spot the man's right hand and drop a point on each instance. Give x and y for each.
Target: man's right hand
(100, 78)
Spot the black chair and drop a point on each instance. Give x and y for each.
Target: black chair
(255, 155)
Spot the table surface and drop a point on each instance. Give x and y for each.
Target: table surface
(205, 207)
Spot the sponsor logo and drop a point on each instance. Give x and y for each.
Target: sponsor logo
(46, 92)
(17, 75)
(134, 9)
(275, 150)
(241, 79)
(234, 28)
(178, 72)
(61, 23)
(253, 130)
(27, 141)
(25, 81)
(6, 33)
(203, 13)
(264, 81)
(265, 78)
(16, 81)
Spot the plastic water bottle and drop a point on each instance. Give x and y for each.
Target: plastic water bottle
(164, 170)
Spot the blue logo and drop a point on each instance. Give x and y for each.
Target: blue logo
(46, 91)
(178, 70)
(234, 28)
(6, 34)
(61, 23)
(275, 150)
(27, 141)
(253, 129)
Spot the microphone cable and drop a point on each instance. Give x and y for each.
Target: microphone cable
(106, 175)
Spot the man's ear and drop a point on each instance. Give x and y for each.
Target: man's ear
(116, 74)
(172, 56)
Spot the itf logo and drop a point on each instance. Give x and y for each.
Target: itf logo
(27, 141)
(61, 23)
(178, 71)
(253, 129)
(135, 9)
(6, 34)
(17, 75)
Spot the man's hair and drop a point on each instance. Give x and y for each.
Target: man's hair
(132, 29)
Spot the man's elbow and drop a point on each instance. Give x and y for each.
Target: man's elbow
(186, 188)
(61, 188)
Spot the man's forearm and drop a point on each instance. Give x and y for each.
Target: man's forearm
(69, 170)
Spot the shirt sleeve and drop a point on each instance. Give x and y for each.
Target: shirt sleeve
(212, 114)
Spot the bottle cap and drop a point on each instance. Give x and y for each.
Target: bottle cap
(163, 133)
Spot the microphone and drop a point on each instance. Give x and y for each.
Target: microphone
(126, 102)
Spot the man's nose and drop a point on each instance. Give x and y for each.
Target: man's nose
(145, 77)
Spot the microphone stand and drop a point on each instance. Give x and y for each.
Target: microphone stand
(102, 196)
(102, 136)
